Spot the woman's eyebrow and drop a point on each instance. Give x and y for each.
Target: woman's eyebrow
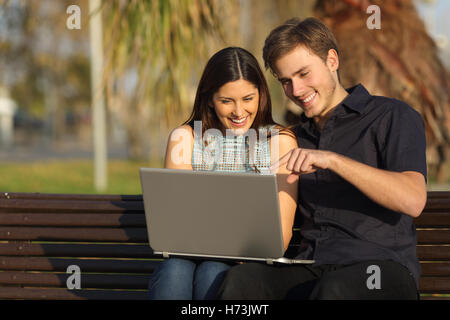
(247, 95)
(222, 97)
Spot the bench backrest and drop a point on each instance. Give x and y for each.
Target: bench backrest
(42, 235)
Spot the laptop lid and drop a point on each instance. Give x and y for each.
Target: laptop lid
(212, 214)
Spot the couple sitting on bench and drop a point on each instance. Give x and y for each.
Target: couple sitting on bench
(355, 167)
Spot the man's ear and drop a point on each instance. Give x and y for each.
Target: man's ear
(333, 60)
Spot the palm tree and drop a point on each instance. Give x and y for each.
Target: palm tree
(400, 60)
(154, 51)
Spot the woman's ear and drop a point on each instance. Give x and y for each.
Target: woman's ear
(210, 103)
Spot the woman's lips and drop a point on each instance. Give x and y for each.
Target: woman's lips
(239, 122)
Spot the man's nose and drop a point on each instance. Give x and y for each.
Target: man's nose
(298, 89)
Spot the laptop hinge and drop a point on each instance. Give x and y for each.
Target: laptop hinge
(269, 261)
(165, 254)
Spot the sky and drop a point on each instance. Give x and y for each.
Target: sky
(436, 15)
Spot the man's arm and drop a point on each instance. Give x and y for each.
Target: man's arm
(403, 192)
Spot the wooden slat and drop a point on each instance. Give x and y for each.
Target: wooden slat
(434, 285)
(74, 234)
(86, 265)
(437, 203)
(23, 248)
(430, 219)
(64, 294)
(137, 266)
(70, 206)
(424, 252)
(99, 281)
(433, 252)
(435, 236)
(436, 199)
(64, 196)
(435, 269)
(103, 218)
(73, 219)
(427, 285)
(432, 195)
(434, 296)
(438, 194)
(424, 236)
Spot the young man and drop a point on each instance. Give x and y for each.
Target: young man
(362, 169)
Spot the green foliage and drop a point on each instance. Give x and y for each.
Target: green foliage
(74, 176)
(160, 40)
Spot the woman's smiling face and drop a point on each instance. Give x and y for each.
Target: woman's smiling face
(236, 105)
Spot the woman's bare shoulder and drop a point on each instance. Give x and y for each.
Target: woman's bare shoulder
(184, 129)
(285, 135)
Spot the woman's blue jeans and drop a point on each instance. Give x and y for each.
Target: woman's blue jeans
(182, 279)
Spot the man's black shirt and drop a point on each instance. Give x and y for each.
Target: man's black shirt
(339, 224)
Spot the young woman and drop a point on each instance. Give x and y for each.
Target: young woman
(230, 129)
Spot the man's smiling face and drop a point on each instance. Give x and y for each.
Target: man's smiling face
(309, 81)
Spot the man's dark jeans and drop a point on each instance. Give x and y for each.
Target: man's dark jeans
(366, 280)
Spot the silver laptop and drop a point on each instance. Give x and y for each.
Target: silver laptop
(213, 215)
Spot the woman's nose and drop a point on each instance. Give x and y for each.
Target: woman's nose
(238, 109)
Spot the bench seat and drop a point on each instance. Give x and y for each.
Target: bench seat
(41, 235)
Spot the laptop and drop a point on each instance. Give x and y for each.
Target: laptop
(213, 215)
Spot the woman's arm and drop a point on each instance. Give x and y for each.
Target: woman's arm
(287, 193)
(179, 148)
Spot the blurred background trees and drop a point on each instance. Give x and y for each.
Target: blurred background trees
(400, 60)
(162, 53)
(45, 68)
(155, 50)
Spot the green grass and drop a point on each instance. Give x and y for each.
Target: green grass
(74, 176)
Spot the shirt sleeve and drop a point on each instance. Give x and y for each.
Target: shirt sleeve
(404, 139)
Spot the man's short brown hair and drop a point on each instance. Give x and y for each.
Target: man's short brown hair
(311, 33)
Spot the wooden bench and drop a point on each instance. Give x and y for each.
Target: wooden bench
(41, 235)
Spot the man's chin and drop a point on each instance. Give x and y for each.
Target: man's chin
(309, 113)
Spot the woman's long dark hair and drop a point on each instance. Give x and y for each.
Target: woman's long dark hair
(227, 65)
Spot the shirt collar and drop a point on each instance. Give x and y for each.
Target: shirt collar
(357, 98)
